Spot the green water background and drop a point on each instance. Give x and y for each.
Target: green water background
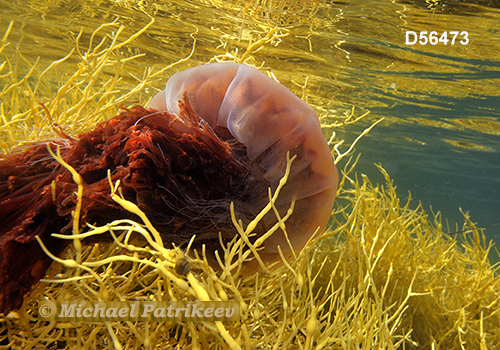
(440, 139)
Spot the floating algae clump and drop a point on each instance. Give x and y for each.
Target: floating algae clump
(383, 276)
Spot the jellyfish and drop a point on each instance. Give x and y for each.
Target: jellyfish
(243, 106)
(216, 137)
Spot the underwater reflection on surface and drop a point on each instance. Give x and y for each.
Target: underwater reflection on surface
(440, 138)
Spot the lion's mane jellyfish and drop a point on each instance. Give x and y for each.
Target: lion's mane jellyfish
(218, 134)
(249, 110)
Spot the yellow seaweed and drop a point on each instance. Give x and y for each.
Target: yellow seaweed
(383, 276)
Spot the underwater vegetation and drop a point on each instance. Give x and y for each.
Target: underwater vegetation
(381, 276)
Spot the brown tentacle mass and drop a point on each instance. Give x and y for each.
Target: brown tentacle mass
(178, 170)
